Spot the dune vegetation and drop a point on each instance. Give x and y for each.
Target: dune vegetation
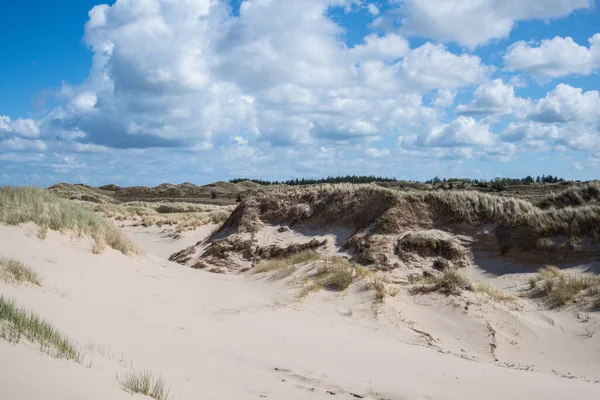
(183, 215)
(559, 288)
(17, 324)
(20, 205)
(15, 271)
(145, 383)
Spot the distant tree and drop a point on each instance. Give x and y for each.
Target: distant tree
(213, 194)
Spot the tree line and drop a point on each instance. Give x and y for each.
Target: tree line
(494, 183)
(329, 179)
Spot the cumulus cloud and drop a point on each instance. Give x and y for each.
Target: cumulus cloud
(277, 81)
(475, 22)
(444, 98)
(387, 48)
(494, 97)
(192, 75)
(463, 131)
(567, 104)
(21, 126)
(433, 67)
(555, 57)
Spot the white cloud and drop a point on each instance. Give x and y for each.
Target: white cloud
(386, 48)
(373, 9)
(434, 67)
(463, 131)
(21, 126)
(444, 98)
(377, 153)
(19, 144)
(567, 104)
(475, 22)
(494, 97)
(555, 57)
(4, 123)
(85, 102)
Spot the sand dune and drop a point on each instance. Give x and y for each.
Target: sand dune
(238, 337)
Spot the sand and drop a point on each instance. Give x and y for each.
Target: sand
(244, 337)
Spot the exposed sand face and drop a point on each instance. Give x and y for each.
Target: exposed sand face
(238, 337)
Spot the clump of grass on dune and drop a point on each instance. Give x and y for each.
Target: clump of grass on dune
(336, 274)
(16, 324)
(452, 282)
(449, 282)
(560, 288)
(14, 271)
(145, 383)
(30, 204)
(282, 263)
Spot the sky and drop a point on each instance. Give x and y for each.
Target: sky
(141, 92)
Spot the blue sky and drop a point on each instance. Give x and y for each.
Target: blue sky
(151, 91)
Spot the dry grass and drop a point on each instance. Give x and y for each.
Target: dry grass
(283, 263)
(559, 288)
(15, 271)
(453, 282)
(435, 243)
(336, 274)
(492, 291)
(183, 215)
(16, 324)
(448, 282)
(573, 196)
(145, 383)
(29, 204)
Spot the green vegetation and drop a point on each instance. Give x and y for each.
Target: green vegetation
(16, 324)
(29, 204)
(310, 181)
(14, 271)
(560, 288)
(145, 383)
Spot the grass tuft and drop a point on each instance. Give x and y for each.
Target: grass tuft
(145, 383)
(16, 324)
(14, 271)
(30, 204)
(336, 274)
(449, 282)
(492, 291)
(559, 288)
(284, 263)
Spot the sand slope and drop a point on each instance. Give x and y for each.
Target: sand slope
(230, 337)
